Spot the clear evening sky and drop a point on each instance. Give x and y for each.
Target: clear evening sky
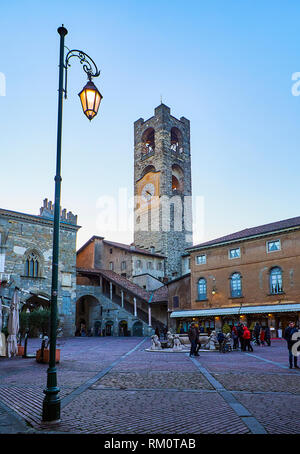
(225, 65)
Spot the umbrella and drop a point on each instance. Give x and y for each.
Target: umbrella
(13, 325)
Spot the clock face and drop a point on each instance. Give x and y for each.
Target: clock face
(148, 192)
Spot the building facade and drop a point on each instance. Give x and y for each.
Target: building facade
(162, 187)
(26, 260)
(251, 275)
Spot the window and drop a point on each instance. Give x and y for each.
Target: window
(235, 253)
(200, 259)
(175, 301)
(236, 285)
(111, 266)
(202, 289)
(159, 266)
(149, 265)
(273, 246)
(32, 265)
(123, 266)
(138, 264)
(276, 280)
(111, 251)
(152, 249)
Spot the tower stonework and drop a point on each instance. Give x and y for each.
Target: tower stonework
(162, 187)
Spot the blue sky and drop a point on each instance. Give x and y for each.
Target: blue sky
(225, 65)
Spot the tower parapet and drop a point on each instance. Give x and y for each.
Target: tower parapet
(47, 211)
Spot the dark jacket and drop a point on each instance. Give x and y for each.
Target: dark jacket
(288, 333)
(193, 334)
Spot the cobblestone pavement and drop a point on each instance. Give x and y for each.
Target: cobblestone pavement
(112, 385)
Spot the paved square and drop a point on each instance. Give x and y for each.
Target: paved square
(112, 385)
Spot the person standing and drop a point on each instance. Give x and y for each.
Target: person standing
(194, 339)
(247, 340)
(256, 332)
(235, 338)
(288, 334)
(268, 336)
(262, 336)
(240, 332)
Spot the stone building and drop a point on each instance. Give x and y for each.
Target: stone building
(108, 298)
(26, 260)
(126, 260)
(251, 275)
(162, 187)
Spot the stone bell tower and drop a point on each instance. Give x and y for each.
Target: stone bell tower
(162, 187)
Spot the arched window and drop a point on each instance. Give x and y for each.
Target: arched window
(176, 140)
(236, 285)
(276, 280)
(32, 264)
(177, 178)
(202, 290)
(148, 141)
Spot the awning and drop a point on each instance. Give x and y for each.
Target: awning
(269, 309)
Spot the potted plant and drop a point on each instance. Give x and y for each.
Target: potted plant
(41, 320)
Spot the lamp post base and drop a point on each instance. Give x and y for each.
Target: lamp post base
(51, 406)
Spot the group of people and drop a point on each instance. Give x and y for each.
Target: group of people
(242, 337)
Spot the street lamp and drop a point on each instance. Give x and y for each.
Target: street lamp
(90, 99)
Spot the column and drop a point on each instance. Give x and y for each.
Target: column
(110, 290)
(149, 315)
(122, 298)
(134, 303)
(101, 284)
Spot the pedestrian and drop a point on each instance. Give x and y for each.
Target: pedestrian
(235, 338)
(288, 335)
(262, 335)
(256, 332)
(221, 338)
(240, 332)
(157, 332)
(194, 338)
(268, 336)
(247, 340)
(165, 330)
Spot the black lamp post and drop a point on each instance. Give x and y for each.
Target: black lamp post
(90, 98)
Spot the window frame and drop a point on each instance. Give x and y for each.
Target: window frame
(272, 241)
(271, 271)
(202, 263)
(204, 295)
(234, 249)
(233, 293)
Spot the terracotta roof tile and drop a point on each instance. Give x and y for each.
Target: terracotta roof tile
(161, 294)
(252, 231)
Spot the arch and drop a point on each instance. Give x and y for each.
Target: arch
(275, 280)
(83, 312)
(123, 328)
(202, 289)
(137, 329)
(33, 263)
(176, 140)
(148, 141)
(148, 169)
(236, 284)
(109, 328)
(177, 178)
(37, 301)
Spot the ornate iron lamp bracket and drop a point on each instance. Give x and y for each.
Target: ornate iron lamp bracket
(89, 66)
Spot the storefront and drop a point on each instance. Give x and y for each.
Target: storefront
(275, 316)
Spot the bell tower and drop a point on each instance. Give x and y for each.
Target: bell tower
(162, 187)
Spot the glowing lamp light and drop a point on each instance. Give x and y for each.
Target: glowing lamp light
(90, 98)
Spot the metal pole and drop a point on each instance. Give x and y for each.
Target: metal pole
(51, 404)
